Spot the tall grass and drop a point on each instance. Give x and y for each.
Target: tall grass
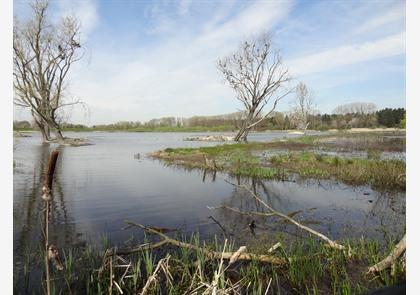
(312, 269)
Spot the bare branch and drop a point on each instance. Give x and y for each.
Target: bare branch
(43, 56)
(257, 75)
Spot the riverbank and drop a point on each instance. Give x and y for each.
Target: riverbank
(321, 157)
(150, 194)
(230, 129)
(297, 267)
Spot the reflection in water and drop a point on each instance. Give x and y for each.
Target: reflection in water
(334, 209)
(28, 224)
(97, 187)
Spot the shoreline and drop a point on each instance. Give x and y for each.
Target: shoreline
(306, 157)
(187, 130)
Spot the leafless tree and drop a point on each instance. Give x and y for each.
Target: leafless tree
(355, 108)
(43, 55)
(302, 107)
(259, 78)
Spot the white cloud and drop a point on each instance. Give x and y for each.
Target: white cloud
(170, 70)
(256, 17)
(392, 15)
(177, 77)
(349, 54)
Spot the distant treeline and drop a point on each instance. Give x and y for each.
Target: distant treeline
(387, 117)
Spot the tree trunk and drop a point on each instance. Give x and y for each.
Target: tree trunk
(238, 136)
(44, 129)
(243, 132)
(60, 136)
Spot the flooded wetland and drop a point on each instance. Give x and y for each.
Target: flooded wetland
(98, 187)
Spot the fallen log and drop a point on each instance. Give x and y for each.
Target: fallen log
(390, 260)
(208, 253)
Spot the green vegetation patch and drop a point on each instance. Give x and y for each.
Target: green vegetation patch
(290, 157)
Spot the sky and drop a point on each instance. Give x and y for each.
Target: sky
(151, 59)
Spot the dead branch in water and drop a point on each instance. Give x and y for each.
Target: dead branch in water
(219, 224)
(330, 242)
(390, 260)
(208, 253)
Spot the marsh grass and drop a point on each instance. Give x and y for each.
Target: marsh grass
(312, 269)
(241, 160)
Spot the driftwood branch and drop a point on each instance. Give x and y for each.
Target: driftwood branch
(208, 253)
(390, 260)
(330, 242)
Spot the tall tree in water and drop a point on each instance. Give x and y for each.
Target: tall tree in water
(43, 53)
(258, 77)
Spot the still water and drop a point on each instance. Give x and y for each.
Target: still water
(98, 186)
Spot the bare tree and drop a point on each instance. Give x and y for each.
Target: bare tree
(302, 107)
(257, 75)
(43, 55)
(355, 108)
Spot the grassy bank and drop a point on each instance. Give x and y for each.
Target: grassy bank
(303, 157)
(311, 268)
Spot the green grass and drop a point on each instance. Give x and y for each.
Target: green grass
(245, 159)
(381, 174)
(313, 269)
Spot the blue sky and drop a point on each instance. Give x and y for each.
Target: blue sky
(149, 59)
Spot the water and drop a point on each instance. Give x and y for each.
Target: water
(97, 187)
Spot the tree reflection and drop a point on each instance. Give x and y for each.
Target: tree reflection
(28, 217)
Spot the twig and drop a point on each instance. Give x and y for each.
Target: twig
(218, 223)
(268, 287)
(118, 287)
(274, 247)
